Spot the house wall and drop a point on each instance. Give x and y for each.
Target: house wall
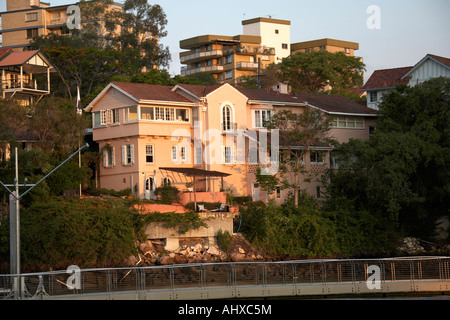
(427, 70)
(343, 135)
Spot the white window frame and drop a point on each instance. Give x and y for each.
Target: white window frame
(183, 153)
(174, 154)
(318, 152)
(109, 157)
(198, 156)
(258, 117)
(150, 152)
(230, 154)
(127, 154)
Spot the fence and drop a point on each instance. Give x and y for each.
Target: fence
(237, 280)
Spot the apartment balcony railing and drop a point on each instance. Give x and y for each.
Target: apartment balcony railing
(247, 66)
(10, 86)
(253, 50)
(200, 56)
(187, 72)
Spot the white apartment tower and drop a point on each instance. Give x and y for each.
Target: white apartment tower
(274, 33)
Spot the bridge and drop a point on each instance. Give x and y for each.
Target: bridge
(236, 280)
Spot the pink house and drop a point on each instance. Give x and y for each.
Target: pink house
(151, 135)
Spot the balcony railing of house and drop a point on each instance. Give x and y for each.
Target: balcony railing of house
(253, 50)
(187, 72)
(26, 84)
(228, 127)
(200, 55)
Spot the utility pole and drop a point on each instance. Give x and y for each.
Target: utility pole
(14, 221)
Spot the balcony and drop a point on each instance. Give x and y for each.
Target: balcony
(247, 66)
(212, 69)
(228, 127)
(198, 56)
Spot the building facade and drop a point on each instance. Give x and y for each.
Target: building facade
(149, 135)
(381, 81)
(25, 19)
(264, 41)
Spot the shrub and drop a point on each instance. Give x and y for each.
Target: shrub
(224, 240)
(167, 194)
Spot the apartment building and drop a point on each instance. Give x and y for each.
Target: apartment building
(381, 81)
(152, 135)
(25, 19)
(330, 45)
(264, 41)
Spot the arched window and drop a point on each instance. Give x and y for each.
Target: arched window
(227, 118)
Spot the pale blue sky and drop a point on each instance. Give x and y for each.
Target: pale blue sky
(409, 28)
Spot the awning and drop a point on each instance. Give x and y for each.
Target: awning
(196, 172)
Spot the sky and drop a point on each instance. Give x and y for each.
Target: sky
(405, 30)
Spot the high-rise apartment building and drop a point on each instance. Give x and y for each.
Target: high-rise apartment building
(264, 40)
(25, 19)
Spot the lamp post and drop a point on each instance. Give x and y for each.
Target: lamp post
(14, 220)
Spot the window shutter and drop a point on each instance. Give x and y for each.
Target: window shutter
(132, 153)
(105, 156)
(113, 157)
(124, 154)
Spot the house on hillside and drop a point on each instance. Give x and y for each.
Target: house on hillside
(152, 135)
(381, 81)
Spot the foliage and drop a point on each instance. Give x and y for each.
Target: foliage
(224, 240)
(298, 134)
(131, 43)
(181, 221)
(312, 71)
(401, 173)
(86, 232)
(291, 230)
(167, 194)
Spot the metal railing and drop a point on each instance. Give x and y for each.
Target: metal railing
(237, 279)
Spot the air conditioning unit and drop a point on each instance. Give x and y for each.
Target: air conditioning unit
(34, 3)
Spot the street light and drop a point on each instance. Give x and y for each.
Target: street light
(14, 219)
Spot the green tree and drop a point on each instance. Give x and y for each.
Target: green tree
(402, 172)
(312, 71)
(298, 134)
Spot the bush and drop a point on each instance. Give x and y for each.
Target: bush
(83, 232)
(167, 194)
(224, 240)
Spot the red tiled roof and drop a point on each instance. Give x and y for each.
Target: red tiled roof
(3, 53)
(443, 60)
(199, 90)
(269, 95)
(143, 91)
(335, 104)
(386, 78)
(17, 58)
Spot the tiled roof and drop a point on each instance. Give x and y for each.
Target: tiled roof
(199, 90)
(335, 104)
(269, 95)
(386, 78)
(17, 58)
(4, 52)
(143, 91)
(443, 60)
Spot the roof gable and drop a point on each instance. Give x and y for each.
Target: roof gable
(442, 61)
(387, 78)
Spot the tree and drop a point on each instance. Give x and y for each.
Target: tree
(298, 134)
(110, 42)
(402, 172)
(312, 71)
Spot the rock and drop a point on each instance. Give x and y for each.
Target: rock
(241, 250)
(212, 250)
(147, 246)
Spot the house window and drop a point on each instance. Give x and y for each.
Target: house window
(147, 113)
(373, 96)
(131, 114)
(316, 157)
(31, 17)
(183, 153)
(226, 118)
(261, 118)
(149, 153)
(277, 31)
(278, 192)
(167, 114)
(318, 192)
(174, 153)
(229, 74)
(108, 156)
(31, 33)
(347, 122)
(228, 155)
(198, 155)
(284, 46)
(127, 154)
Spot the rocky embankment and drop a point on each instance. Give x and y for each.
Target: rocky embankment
(194, 250)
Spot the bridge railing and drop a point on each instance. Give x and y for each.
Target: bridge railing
(224, 275)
